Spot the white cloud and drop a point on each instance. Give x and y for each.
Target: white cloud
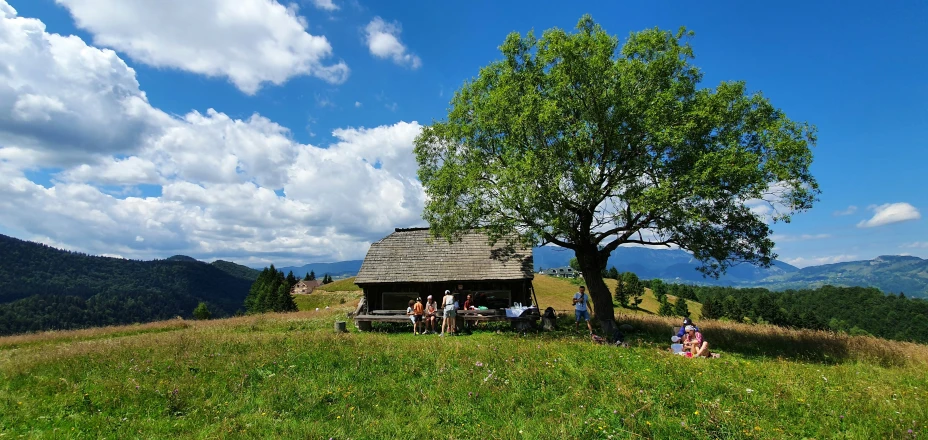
(250, 42)
(61, 100)
(916, 245)
(890, 213)
(383, 42)
(357, 103)
(816, 261)
(217, 174)
(850, 210)
(326, 5)
(801, 237)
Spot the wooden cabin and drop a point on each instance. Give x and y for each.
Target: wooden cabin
(410, 264)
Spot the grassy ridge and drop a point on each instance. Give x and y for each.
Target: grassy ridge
(557, 292)
(343, 285)
(289, 375)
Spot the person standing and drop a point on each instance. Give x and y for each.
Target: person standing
(448, 303)
(581, 309)
(417, 310)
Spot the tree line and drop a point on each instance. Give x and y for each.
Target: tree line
(853, 310)
(271, 292)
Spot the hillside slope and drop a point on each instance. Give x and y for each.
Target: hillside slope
(43, 288)
(291, 376)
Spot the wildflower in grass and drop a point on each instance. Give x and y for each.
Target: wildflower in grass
(479, 364)
(696, 413)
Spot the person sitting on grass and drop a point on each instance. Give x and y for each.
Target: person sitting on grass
(693, 342)
(431, 309)
(686, 321)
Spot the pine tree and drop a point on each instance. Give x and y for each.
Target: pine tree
(613, 273)
(291, 280)
(680, 308)
(202, 312)
(306, 278)
(666, 308)
(633, 288)
(659, 289)
(311, 276)
(711, 309)
(621, 296)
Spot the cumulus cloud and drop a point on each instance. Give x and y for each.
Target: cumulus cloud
(384, 42)
(890, 213)
(326, 5)
(61, 100)
(816, 261)
(239, 189)
(250, 42)
(850, 210)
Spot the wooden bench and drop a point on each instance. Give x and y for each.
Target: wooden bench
(363, 322)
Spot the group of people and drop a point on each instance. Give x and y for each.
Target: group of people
(425, 317)
(694, 345)
(692, 340)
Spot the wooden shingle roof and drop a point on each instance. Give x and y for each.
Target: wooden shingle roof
(407, 255)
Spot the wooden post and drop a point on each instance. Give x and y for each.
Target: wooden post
(341, 327)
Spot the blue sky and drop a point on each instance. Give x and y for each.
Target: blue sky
(257, 131)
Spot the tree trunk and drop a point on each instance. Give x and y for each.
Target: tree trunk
(592, 264)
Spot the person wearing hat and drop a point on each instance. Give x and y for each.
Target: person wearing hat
(450, 313)
(431, 309)
(694, 343)
(682, 332)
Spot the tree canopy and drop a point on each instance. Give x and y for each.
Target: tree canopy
(573, 140)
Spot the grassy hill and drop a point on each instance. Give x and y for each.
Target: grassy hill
(291, 376)
(558, 292)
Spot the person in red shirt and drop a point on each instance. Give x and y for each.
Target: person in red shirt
(469, 305)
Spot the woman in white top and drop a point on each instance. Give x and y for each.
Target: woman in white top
(450, 313)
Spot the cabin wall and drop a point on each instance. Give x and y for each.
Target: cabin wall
(488, 293)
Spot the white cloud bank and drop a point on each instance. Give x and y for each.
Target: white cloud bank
(890, 213)
(384, 42)
(250, 42)
(239, 189)
(801, 262)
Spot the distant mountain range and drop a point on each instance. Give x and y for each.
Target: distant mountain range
(339, 269)
(891, 274)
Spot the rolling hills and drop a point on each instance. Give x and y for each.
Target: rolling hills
(43, 288)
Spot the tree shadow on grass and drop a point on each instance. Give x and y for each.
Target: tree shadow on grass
(766, 341)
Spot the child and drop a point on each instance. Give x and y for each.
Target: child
(412, 317)
(417, 316)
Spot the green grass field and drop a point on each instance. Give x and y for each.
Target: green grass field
(291, 376)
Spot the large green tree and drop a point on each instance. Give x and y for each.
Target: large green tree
(574, 140)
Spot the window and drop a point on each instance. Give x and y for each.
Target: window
(398, 300)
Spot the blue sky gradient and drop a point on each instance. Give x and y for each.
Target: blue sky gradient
(854, 69)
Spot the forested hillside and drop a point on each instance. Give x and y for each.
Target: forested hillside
(854, 310)
(45, 288)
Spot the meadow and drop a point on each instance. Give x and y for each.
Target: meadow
(291, 376)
